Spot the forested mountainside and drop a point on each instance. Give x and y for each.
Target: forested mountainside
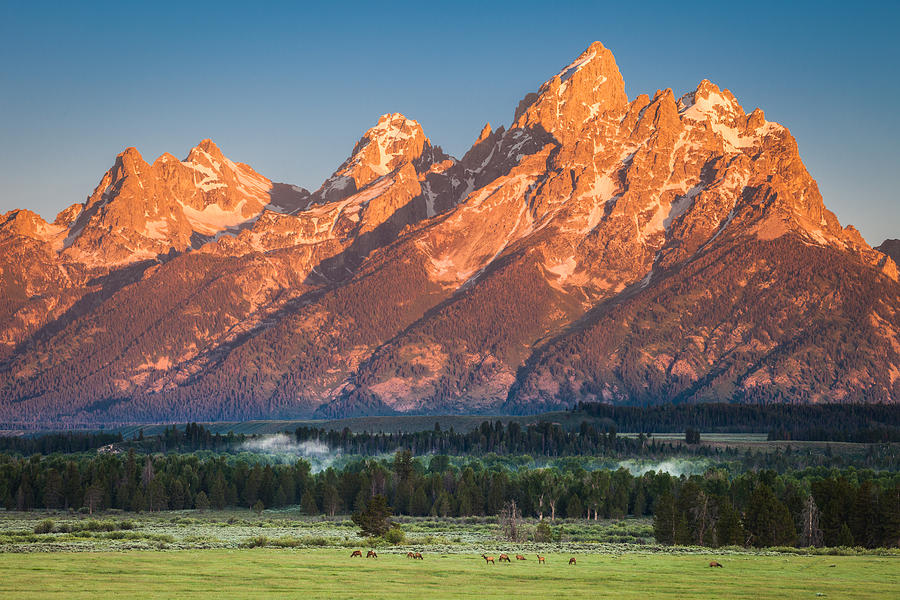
(631, 251)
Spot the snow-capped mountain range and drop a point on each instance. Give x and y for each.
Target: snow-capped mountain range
(601, 248)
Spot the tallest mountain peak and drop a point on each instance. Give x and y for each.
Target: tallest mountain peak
(585, 88)
(595, 52)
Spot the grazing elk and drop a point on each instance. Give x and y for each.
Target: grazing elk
(572, 561)
(503, 557)
(540, 559)
(519, 557)
(371, 554)
(418, 555)
(487, 559)
(356, 553)
(713, 563)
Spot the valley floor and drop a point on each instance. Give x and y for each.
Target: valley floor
(313, 573)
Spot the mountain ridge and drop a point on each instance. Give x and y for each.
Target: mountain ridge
(600, 248)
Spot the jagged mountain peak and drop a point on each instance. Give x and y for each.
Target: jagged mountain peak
(140, 211)
(708, 101)
(485, 133)
(22, 222)
(128, 162)
(206, 152)
(583, 90)
(393, 141)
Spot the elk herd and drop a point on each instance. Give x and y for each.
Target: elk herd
(488, 560)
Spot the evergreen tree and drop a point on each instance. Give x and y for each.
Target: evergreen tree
(217, 492)
(767, 520)
(845, 536)
(158, 499)
(729, 531)
(574, 508)
(639, 507)
(201, 502)
(53, 490)
(419, 504)
(308, 503)
(865, 522)
(375, 519)
(665, 519)
(258, 507)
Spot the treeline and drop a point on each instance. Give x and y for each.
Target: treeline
(49, 443)
(810, 507)
(764, 509)
(804, 420)
(875, 434)
(189, 438)
(186, 438)
(539, 439)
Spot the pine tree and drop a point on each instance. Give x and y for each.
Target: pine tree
(308, 503)
(729, 531)
(865, 522)
(158, 499)
(665, 519)
(844, 537)
(375, 519)
(640, 503)
(419, 504)
(574, 508)
(201, 502)
(442, 506)
(53, 490)
(217, 492)
(258, 507)
(768, 520)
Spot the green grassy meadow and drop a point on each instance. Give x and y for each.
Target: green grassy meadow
(273, 573)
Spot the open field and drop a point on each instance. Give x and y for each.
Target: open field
(255, 573)
(231, 529)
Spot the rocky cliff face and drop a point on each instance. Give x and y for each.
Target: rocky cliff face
(647, 250)
(890, 248)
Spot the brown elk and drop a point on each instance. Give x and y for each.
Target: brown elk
(519, 557)
(713, 563)
(371, 554)
(503, 557)
(572, 561)
(540, 559)
(356, 553)
(487, 559)
(418, 555)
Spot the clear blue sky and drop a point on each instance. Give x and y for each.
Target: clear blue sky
(290, 88)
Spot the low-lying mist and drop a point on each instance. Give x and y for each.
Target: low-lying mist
(286, 448)
(283, 448)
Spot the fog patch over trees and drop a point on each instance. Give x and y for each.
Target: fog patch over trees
(285, 447)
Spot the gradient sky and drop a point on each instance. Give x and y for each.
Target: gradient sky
(290, 88)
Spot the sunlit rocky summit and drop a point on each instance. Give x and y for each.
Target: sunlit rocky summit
(658, 249)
